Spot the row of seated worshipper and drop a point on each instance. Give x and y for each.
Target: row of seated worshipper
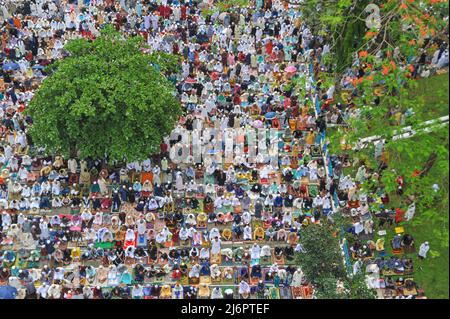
(123, 276)
(58, 253)
(154, 291)
(401, 288)
(400, 244)
(138, 230)
(233, 196)
(394, 265)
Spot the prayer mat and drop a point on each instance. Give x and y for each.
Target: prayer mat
(158, 280)
(226, 261)
(285, 293)
(217, 280)
(304, 180)
(389, 272)
(313, 190)
(106, 210)
(168, 244)
(184, 280)
(409, 249)
(185, 243)
(302, 292)
(296, 292)
(254, 261)
(216, 259)
(397, 251)
(227, 280)
(265, 278)
(274, 293)
(128, 208)
(205, 280)
(254, 280)
(104, 245)
(146, 176)
(159, 224)
(257, 223)
(142, 240)
(266, 260)
(75, 211)
(279, 260)
(389, 293)
(275, 178)
(409, 292)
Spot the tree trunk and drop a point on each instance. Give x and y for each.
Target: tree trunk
(73, 150)
(428, 165)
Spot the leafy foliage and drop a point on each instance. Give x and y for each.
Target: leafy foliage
(106, 97)
(323, 265)
(387, 98)
(340, 22)
(386, 102)
(224, 6)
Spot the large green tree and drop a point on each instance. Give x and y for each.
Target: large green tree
(106, 97)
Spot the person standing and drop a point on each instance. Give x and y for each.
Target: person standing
(424, 248)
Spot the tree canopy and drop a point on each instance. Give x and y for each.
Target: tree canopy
(107, 97)
(322, 263)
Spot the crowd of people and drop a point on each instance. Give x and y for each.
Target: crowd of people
(90, 228)
(77, 228)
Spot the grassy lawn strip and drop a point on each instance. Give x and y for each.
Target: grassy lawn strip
(431, 274)
(435, 97)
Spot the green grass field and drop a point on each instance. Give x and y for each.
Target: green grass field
(436, 99)
(431, 274)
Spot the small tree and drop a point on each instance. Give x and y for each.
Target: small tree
(323, 257)
(106, 97)
(323, 265)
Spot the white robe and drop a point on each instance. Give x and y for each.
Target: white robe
(215, 247)
(255, 252)
(410, 212)
(297, 278)
(423, 250)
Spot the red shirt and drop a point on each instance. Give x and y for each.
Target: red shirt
(399, 213)
(165, 11)
(237, 100)
(269, 47)
(183, 12)
(145, 35)
(163, 147)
